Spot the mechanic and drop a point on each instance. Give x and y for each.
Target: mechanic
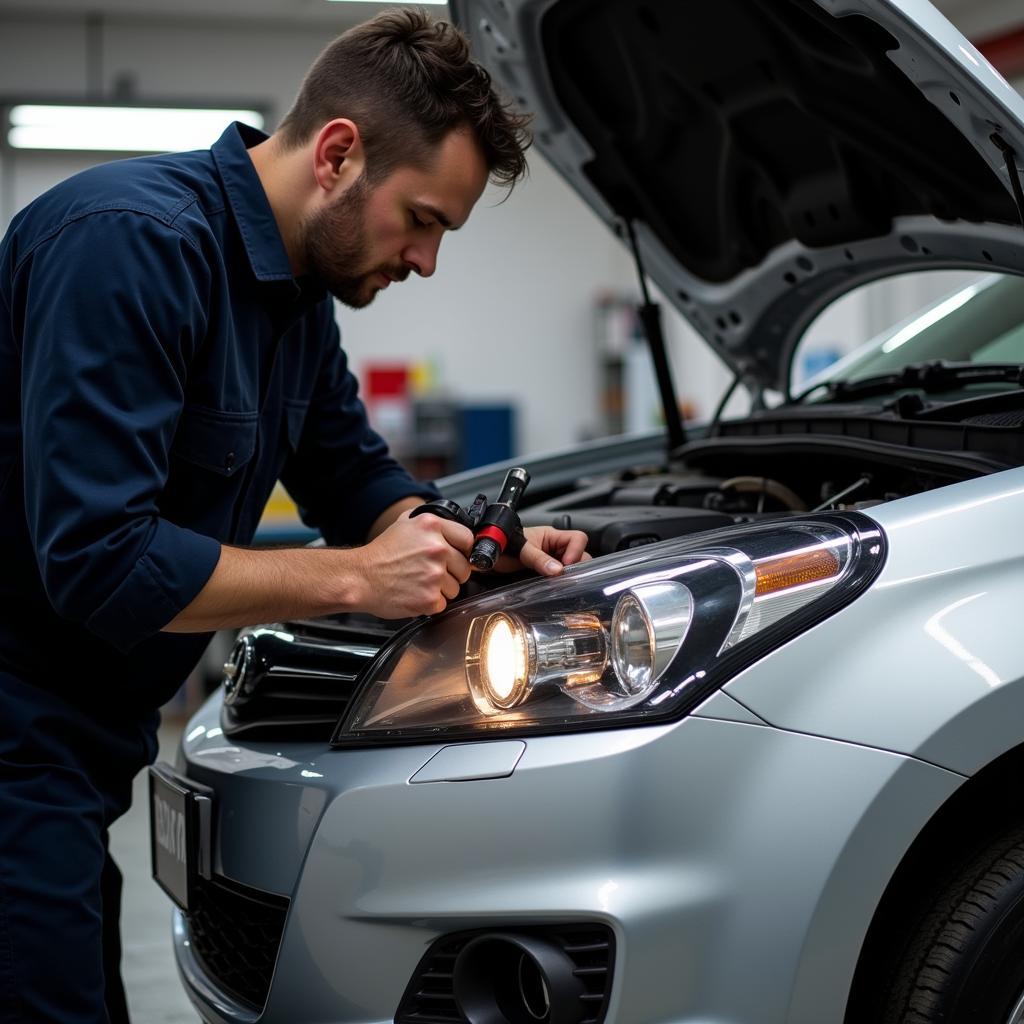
(168, 351)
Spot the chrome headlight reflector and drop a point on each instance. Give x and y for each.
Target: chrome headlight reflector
(648, 627)
(640, 636)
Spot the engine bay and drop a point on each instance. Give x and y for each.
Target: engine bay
(713, 484)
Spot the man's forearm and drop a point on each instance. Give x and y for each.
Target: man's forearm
(250, 586)
(411, 567)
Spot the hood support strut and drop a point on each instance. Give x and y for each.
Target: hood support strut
(650, 318)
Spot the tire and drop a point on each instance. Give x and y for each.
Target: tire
(964, 963)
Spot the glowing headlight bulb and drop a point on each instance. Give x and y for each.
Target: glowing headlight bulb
(497, 662)
(508, 659)
(505, 660)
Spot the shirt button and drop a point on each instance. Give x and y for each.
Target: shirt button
(229, 460)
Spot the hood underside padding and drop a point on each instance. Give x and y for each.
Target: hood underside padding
(734, 126)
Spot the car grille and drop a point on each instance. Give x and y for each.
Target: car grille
(235, 933)
(295, 680)
(1013, 418)
(430, 997)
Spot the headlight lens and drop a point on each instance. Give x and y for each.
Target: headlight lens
(640, 636)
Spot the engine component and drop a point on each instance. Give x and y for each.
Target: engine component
(764, 486)
(618, 528)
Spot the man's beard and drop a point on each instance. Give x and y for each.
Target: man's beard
(335, 246)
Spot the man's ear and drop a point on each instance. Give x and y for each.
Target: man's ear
(338, 157)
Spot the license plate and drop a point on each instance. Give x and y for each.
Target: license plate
(180, 813)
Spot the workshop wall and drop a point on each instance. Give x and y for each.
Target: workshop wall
(509, 315)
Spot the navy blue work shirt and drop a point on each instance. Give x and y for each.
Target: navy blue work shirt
(160, 369)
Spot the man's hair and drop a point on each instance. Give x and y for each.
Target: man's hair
(407, 81)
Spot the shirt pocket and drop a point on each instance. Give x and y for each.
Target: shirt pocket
(213, 439)
(295, 410)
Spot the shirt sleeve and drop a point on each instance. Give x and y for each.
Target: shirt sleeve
(340, 474)
(113, 309)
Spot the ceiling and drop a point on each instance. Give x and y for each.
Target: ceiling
(292, 12)
(978, 19)
(982, 19)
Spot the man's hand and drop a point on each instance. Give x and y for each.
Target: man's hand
(414, 567)
(547, 551)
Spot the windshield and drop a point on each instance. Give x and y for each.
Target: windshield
(978, 323)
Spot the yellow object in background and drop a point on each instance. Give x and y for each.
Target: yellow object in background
(422, 378)
(280, 522)
(280, 509)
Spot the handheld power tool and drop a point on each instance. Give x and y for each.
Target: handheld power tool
(495, 525)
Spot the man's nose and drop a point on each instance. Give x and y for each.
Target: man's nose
(422, 256)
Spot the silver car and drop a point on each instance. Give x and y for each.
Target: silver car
(760, 760)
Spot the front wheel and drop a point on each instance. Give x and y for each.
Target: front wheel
(965, 961)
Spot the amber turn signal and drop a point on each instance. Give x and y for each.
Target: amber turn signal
(795, 570)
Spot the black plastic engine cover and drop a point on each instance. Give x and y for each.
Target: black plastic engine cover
(615, 529)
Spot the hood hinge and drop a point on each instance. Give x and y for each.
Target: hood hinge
(650, 318)
(1014, 172)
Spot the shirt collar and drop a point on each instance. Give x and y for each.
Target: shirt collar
(249, 203)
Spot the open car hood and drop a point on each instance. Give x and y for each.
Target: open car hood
(771, 154)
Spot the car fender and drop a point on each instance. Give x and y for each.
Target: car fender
(927, 661)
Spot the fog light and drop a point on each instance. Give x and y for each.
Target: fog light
(510, 978)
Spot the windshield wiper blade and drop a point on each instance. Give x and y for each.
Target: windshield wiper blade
(935, 376)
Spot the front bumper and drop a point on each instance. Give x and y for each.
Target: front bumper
(737, 865)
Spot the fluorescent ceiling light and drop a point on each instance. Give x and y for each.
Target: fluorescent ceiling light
(931, 316)
(120, 129)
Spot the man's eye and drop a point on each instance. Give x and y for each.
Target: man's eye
(419, 222)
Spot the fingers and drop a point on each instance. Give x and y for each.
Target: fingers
(548, 550)
(424, 561)
(450, 587)
(574, 547)
(458, 565)
(417, 566)
(535, 558)
(456, 544)
(449, 567)
(458, 536)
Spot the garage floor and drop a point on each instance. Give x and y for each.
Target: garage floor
(155, 995)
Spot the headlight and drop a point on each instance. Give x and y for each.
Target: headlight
(641, 636)
(509, 659)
